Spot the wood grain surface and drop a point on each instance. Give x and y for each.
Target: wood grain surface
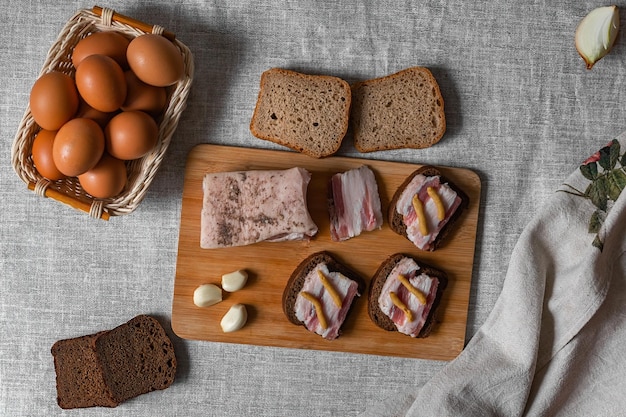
(270, 264)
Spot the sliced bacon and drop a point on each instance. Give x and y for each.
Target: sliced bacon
(424, 283)
(355, 205)
(335, 316)
(419, 185)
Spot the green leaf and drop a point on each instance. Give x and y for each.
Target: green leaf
(605, 158)
(597, 192)
(615, 183)
(623, 160)
(620, 178)
(612, 190)
(598, 243)
(589, 171)
(614, 153)
(595, 222)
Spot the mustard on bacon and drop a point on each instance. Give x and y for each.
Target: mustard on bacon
(441, 210)
(418, 206)
(417, 293)
(319, 311)
(398, 303)
(330, 289)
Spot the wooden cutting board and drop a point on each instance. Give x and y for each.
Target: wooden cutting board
(270, 264)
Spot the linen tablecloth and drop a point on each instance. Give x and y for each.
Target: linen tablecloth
(522, 111)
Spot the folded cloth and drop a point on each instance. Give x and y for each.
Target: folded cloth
(555, 342)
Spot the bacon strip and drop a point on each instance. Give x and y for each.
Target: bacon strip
(355, 204)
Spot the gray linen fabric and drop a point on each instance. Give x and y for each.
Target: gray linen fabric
(522, 112)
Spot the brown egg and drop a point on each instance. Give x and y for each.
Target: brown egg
(142, 96)
(155, 60)
(131, 135)
(88, 112)
(78, 146)
(112, 44)
(101, 83)
(53, 100)
(107, 179)
(42, 155)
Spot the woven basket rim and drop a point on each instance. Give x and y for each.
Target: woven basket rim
(141, 171)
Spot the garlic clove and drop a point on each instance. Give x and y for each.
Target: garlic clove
(234, 281)
(234, 319)
(596, 34)
(207, 295)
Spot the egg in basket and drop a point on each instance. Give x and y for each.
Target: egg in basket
(102, 112)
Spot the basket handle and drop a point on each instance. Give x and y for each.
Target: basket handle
(134, 23)
(59, 196)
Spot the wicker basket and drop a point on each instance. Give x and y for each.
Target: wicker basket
(141, 172)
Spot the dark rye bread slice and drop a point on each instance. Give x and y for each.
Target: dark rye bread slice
(307, 113)
(109, 367)
(296, 281)
(79, 378)
(396, 223)
(136, 357)
(378, 281)
(401, 110)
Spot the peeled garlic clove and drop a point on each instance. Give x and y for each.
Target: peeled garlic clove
(234, 281)
(234, 319)
(207, 295)
(596, 34)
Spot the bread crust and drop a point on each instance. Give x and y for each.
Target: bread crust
(297, 278)
(379, 107)
(286, 126)
(396, 222)
(378, 281)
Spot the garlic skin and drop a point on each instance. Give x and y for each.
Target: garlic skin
(234, 319)
(596, 34)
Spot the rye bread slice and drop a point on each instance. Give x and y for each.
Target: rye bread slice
(307, 113)
(401, 110)
(79, 379)
(396, 223)
(296, 281)
(136, 357)
(378, 281)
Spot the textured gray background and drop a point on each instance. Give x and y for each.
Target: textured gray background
(522, 111)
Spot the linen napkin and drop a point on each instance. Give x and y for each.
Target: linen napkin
(555, 341)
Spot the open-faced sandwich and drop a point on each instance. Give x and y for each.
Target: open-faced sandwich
(320, 293)
(425, 208)
(404, 295)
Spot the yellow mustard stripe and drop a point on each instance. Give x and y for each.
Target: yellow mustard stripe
(441, 210)
(421, 217)
(398, 303)
(417, 293)
(329, 287)
(318, 308)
